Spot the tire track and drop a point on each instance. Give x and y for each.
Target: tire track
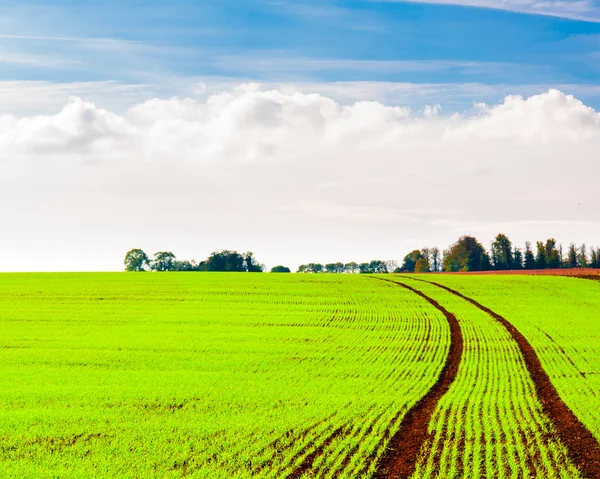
(400, 457)
(583, 448)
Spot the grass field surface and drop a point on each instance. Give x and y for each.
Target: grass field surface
(210, 375)
(490, 424)
(207, 375)
(560, 316)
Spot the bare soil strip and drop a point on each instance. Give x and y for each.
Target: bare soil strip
(400, 458)
(583, 447)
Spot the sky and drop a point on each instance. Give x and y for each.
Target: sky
(306, 131)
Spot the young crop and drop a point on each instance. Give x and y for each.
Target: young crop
(559, 317)
(490, 423)
(208, 375)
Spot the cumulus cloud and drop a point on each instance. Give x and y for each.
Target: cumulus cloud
(294, 176)
(249, 124)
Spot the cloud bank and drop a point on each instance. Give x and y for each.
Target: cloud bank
(249, 124)
(293, 176)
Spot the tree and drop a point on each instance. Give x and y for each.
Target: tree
(572, 256)
(502, 256)
(595, 257)
(410, 261)
(553, 255)
(163, 261)
(582, 259)
(541, 258)
(310, 268)
(335, 267)
(529, 261)
(391, 265)
(517, 258)
(225, 260)
(436, 260)
(280, 269)
(184, 266)
(351, 267)
(378, 267)
(422, 266)
(363, 268)
(467, 254)
(251, 265)
(136, 260)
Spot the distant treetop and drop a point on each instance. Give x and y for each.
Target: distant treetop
(226, 260)
(280, 269)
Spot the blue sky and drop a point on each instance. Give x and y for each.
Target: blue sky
(303, 131)
(166, 45)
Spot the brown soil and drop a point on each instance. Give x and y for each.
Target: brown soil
(582, 446)
(578, 272)
(400, 458)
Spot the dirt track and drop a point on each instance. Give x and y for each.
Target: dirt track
(400, 458)
(583, 447)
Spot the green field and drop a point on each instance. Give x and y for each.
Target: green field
(225, 375)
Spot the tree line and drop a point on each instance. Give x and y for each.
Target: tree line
(374, 267)
(226, 260)
(468, 254)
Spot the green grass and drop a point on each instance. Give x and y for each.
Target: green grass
(207, 375)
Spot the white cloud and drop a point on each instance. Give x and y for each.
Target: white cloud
(294, 176)
(249, 124)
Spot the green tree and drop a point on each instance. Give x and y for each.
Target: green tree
(136, 260)
(529, 260)
(310, 268)
(184, 265)
(225, 260)
(163, 261)
(436, 259)
(582, 257)
(553, 255)
(363, 268)
(251, 265)
(467, 254)
(541, 258)
(422, 266)
(502, 255)
(351, 267)
(410, 261)
(517, 258)
(572, 256)
(335, 267)
(378, 267)
(280, 269)
(595, 258)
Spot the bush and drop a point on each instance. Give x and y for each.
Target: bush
(280, 269)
